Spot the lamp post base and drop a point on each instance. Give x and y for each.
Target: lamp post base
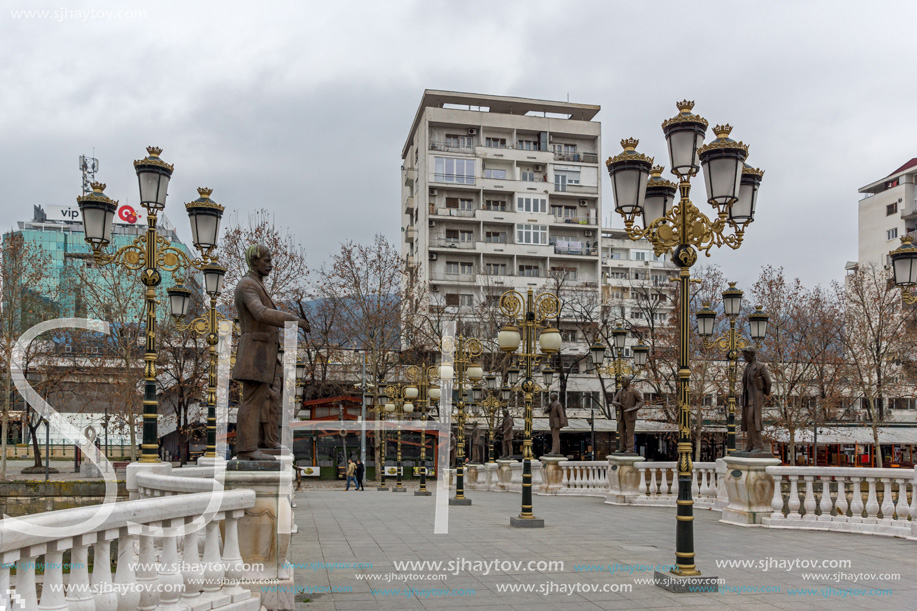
(455, 501)
(382, 488)
(517, 522)
(422, 493)
(693, 584)
(399, 489)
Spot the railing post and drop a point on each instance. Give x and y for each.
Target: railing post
(126, 573)
(810, 499)
(191, 557)
(872, 502)
(170, 575)
(777, 499)
(856, 501)
(25, 576)
(148, 572)
(106, 597)
(52, 591)
(825, 505)
(79, 597)
(840, 506)
(888, 507)
(793, 502)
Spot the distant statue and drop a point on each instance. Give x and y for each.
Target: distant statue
(453, 445)
(756, 385)
(557, 420)
(258, 364)
(628, 401)
(477, 444)
(506, 430)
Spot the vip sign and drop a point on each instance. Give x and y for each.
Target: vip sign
(127, 214)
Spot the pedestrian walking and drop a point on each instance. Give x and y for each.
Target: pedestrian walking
(351, 475)
(361, 471)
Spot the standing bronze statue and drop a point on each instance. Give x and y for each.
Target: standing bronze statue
(506, 430)
(477, 444)
(258, 365)
(557, 420)
(628, 401)
(756, 385)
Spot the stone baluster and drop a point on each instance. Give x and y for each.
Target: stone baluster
(901, 509)
(840, 506)
(695, 489)
(213, 564)
(654, 489)
(126, 573)
(704, 483)
(79, 597)
(888, 505)
(576, 474)
(25, 576)
(809, 503)
(856, 501)
(642, 487)
(793, 502)
(913, 510)
(777, 500)
(872, 502)
(5, 561)
(232, 555)
(665, 485)
(191, 557)
(148, 572)
(825, 504)
(590, 481)
(170, 574)
(106, 597)
(566, 484)
(52, 590)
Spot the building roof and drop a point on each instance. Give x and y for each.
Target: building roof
(879, 185)
(509, 105)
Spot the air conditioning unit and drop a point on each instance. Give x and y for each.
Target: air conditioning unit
(538, 167)
(584, 202)
(472, 131)
(433, 192)
(432, 256)
(434, 288)
(588, 233)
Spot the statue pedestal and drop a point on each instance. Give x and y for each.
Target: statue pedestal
(552, 474)
(491, 471)
(473, 475)
(504, 474)
(623, 478)
(722, 497)
(750, 490)
(265, 529)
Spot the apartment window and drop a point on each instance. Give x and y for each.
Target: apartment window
(531, 234)
(636, 315)
(497, 143)
(498, 174)
(466, 236)
(565, 149)
(891, 234)
(567, 273)
(495, 269)
(564, 176)
(528, 145)
(466, 300)
(564, 212)
(452, 235)
(891, 209)
(532, 204)
(660, 280)
(452, 202)
(529, 271)
(466, 268)
(449, 169)
(617, 294)
(617, 275)
(638, 255)
(568, 336)
(452, 268)
(466, 204)
(459, 142)
(495, 205)
(528, 176)
(452, 299)
(495, 237)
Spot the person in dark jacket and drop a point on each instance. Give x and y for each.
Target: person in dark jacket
(361, 471)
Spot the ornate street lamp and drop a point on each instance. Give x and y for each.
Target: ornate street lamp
(619, 369)
(732, 343)
(428, 393)
(683, 231)
(529, 315)
(467, 373)
(495, 400)
(151, 254)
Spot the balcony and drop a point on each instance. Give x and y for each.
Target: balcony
(409, 205)
(410, 175)
(574, 248)
(454, 212)
(446, 278)
(444, 147)
(577, 157)
(454, 179)
(409, 234)
(575, 220)
(450, 243)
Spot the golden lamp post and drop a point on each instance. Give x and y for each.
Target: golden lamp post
(424, 379)
(678, 227)
(529, 316)
(399, 404)
(732, 343)
(491, 405)
(466, 372)
(150, 254)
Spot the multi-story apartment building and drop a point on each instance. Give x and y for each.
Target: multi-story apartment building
(887, 211)
(503, 193)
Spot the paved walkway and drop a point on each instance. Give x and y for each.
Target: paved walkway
(381, 528)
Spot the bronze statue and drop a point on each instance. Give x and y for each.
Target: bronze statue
(756, 385)
(507, 431)
(257, 359)
(628, 401)
(453, 445)
(477, 444)
(557, 421)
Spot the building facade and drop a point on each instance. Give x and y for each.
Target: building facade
(886, 212)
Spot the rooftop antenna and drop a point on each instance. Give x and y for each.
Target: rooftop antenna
(89, 166)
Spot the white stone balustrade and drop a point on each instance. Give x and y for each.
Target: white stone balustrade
(659, 484)
(151, 551)
(844, 499)
(584, 478)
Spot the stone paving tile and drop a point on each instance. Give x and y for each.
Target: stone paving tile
(381, 528)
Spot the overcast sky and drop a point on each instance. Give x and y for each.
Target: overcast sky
(303, 107)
